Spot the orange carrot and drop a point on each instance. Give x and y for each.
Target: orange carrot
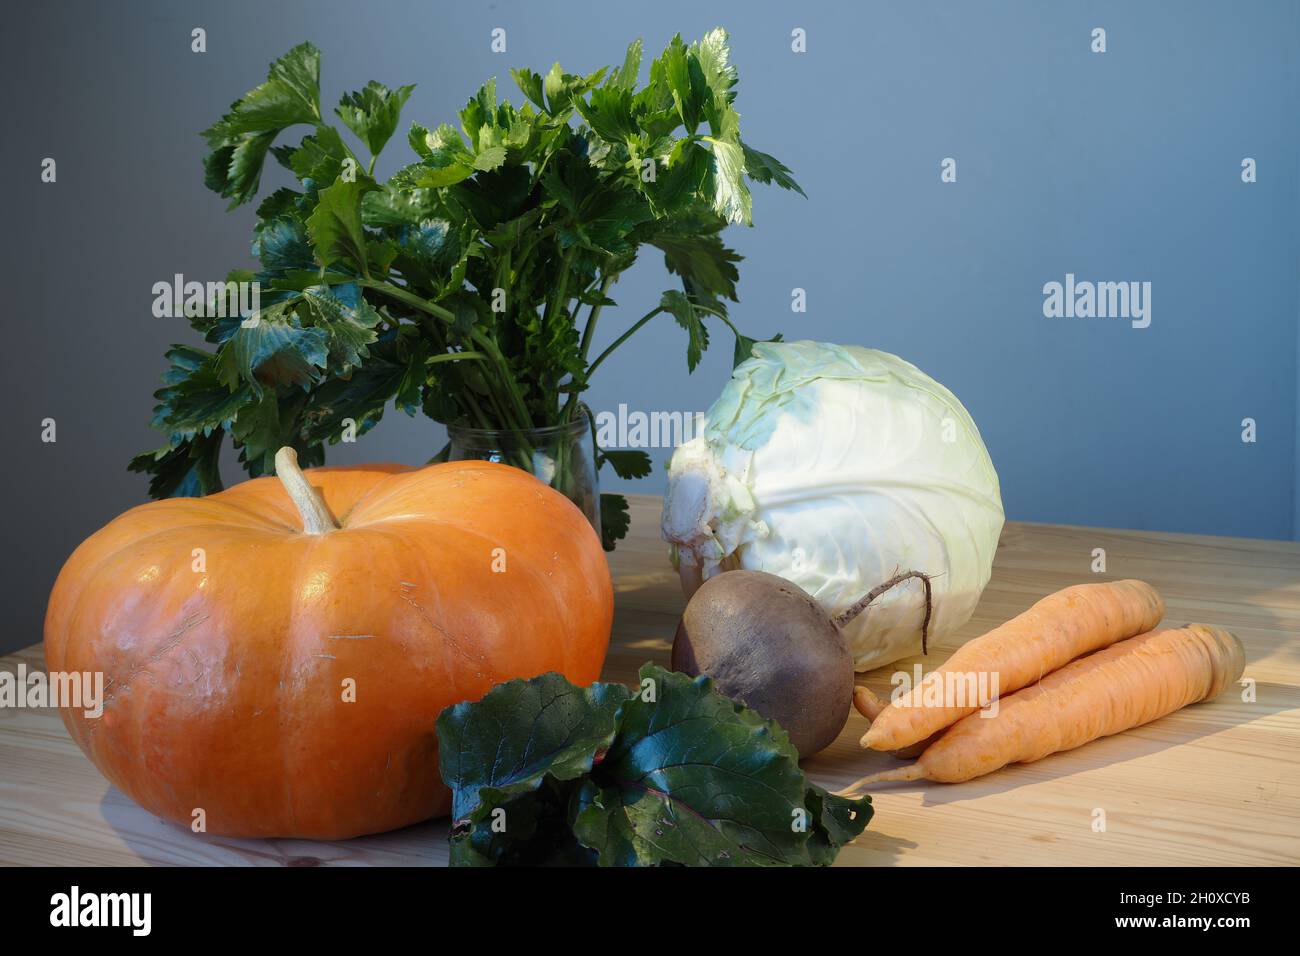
(867, 703)
(1062, 626)
(1126, 685)
(870, 706)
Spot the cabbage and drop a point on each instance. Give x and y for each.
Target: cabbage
(835, 467)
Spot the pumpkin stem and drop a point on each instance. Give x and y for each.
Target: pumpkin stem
(316, 517)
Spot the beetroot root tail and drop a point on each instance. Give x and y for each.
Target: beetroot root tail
(849, 613)
(912, 771)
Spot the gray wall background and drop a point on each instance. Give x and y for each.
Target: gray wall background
(1118, 166)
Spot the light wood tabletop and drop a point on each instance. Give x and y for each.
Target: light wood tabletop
(1218, 783)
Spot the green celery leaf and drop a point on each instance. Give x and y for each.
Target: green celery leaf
(731, 198)
(273, 349)
(555, 86)
(380, 253)
(283, 247)
(686, 81)
(567, 180)
(681, 181)
(442, 399)
(514, 230)
(764, 168)
(625, 77)
(745, 347)
(290, 95)
(318, 160)
(615, 519)
(283, 154)
(490, 158)
(186, 470)
(373, 113)
(240, 139)
(480, 111)
(194, 400)
(348, 318)
(265, 427)
(562, 88)
(409, 395)
(601, 154)
(707, 267)
(361, 397)
(609, 112)
(714, 58)
(392, 207)
(430, 254)
(594, 296)
(418, 138)
(530, 84)
(468, 310)
(447, 159)
(282, 202)
(335, 228)
(688, 317)
(522, 131)
(626, 463)
(244, 173)
(491, 198)
(657, 114)
(606, 221)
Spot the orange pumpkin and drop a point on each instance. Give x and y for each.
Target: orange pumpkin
(282, 671)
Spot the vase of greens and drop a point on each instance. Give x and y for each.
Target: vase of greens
(468, 286)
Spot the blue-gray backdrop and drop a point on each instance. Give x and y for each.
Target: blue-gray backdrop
(1123, 165)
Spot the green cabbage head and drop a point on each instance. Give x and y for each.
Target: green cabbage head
(836, 467)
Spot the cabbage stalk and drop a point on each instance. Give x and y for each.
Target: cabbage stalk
(837, 467)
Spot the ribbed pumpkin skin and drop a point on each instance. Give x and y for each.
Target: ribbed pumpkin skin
(224, 687)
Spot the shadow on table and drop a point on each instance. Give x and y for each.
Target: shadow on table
(1175, 729)
(884, 849)
(156, 842)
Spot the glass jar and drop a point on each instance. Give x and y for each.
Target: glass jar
(563, 456)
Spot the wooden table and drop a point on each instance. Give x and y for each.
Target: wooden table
(1218, 783)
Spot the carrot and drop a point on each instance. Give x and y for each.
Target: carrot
(1123, 686)
(1062, 626)
(870, 706)
(867, 703)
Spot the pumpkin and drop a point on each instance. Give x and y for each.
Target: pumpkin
(275, 672)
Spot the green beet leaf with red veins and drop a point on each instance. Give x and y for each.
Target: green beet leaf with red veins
(670, 774)
(469, 284)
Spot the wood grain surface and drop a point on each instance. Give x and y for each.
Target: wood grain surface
(1218, 783)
